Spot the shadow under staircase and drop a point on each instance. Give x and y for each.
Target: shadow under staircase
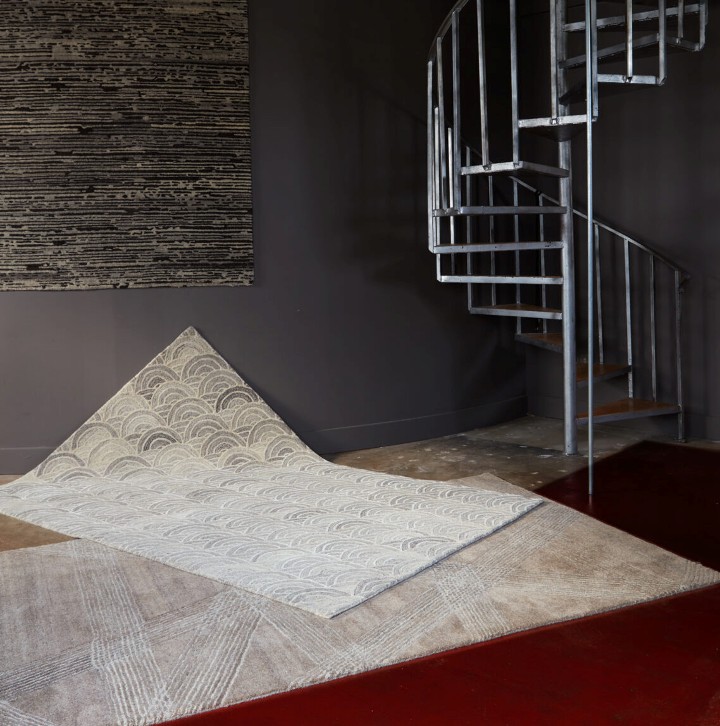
(506, 228)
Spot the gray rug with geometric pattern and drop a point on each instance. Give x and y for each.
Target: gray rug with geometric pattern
(188, 466)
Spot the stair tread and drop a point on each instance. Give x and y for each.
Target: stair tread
(523, 307)
(551, 341)
(496, 247)
(555, 132)
(554, 341)
(519, 310)
(631, 408)
(601, 370)
(516, 167)
(502, 279)
(639, 42)
(613, 21)
(498, 210)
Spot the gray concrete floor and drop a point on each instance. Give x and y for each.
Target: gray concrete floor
(527, 452)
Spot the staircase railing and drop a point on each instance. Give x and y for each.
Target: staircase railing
(637, 338)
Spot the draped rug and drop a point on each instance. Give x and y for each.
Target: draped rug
(187, 465)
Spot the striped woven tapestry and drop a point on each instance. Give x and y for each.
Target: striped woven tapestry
(125, 145)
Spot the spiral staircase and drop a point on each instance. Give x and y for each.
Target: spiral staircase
(506, 96)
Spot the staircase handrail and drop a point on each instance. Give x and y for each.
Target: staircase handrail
(445, 26)
(617, 233)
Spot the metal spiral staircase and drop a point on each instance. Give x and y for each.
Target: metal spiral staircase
(501, 122)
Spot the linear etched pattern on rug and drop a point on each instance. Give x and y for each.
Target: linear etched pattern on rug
(187, 465)
(126, 144)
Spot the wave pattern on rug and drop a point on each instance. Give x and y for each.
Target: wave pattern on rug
(188, 466)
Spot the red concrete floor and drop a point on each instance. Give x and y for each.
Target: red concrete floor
(653, 664)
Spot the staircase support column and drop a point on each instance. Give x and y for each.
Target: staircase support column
(568, 307)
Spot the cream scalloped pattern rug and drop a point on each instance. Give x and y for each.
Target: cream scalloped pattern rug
(188, 466)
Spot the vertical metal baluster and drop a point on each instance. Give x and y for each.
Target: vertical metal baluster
(457, 154)
(554, 103)
(629, 37)
(491, 225)
(453, 201)
(441, 117)
(678, 353)
(662, 40)
(653, 329)
(568, 260)
(703, 24)
(594, 44)
(681, 18)
(516, 227)
(469, 223)
(514, 81)
(541, 201)
(430, 158)
(484, 132)
(436, 176)
(468, 196)
(450, 141)
(628, 321)
(598, 279)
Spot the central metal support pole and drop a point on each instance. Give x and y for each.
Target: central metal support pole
(568, 306)
(557, 39)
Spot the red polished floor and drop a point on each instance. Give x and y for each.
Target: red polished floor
(657, 663)
(666, 494)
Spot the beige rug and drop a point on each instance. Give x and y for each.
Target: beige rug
(188, 466)
(93, 636)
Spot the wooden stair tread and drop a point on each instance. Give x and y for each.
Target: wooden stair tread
(630, 408)
(554, 342)
(601, 370)
(549, 341)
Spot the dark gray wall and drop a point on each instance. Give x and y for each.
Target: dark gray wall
(346, 333)
(657, 177)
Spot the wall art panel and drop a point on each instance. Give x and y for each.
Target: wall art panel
(124, 144)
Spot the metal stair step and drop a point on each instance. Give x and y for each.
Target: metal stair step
(552, 121)
(518, 310)
(614, 83)
(644, 41)
(496, 247)
(491, 211)
(547, 341)
(515, 167)
(502, 279)
(560, 128)
(628, 408)
(640, 49)
(612, 22)
(601, 371)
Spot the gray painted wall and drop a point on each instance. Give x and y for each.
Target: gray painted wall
(345, 333)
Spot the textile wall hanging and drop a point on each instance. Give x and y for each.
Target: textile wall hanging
(124, 144)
